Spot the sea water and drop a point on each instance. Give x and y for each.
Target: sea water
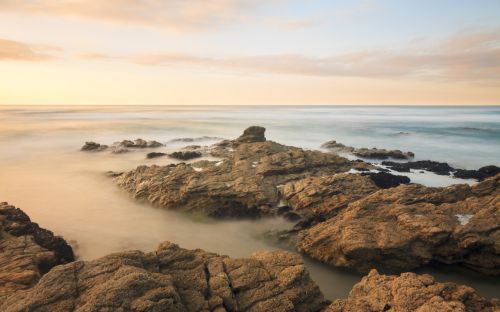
(65, 190)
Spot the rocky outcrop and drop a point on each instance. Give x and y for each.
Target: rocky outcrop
(373, 153)
(138, 143)
(480, 174)
(155, 155)
(245, 183)
(26, 251)
(93, 147)
(185, 155)
(386, 180)
(197, 139)
(174, 279)
(411, 292)
(402, 228)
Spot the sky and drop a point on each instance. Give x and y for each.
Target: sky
(223, 52)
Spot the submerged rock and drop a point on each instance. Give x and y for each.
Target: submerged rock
(93, 146)
(440, 168)
(480, 174)
(26, 251)
(139, 143)
(386, 180)
(155, 155)
(408, 226)
(373, 153)
(411, 292)
(185, 155)
(174, 279)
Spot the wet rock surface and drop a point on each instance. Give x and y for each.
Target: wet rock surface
(174, 279)
(93, 146)
(120, 147)
(411, 292)
(373, 153)
(155, 155)
(26, 251)
(244, 184)
(402, 228)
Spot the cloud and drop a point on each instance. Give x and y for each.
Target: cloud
(176, 15)
(14, 50)
(471, 56)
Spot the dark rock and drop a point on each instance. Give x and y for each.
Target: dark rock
(198, 139)
(292, 216)
(480, 174)
(386, 180)
(185, 155)
(93, 146)
(372, 153)
(154, 155)
(252, 134)
(139, 143)
(429, 165)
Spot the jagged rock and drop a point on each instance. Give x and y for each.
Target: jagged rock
(429, 165)
(386, 180)
(120, 150)
(174, 279)
(243, 184)
(411, 292)
(405, 227)
(93, 146)
(374, 153)
(252, 134)
(26, 251)
(138, 143)
(155, 155)
(185, 155)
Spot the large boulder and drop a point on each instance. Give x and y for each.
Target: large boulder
(252, 134)
(26, 251)
(174, 279)
(402, 228)
(411, 292)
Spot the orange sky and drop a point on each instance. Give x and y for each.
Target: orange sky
(248, 52)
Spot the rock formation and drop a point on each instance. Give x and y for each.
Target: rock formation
(93, 146)
(174, 279)
(185, 155)
(405, 227)
(155, 155)
(26, 251)
(374, 153)
(244, 184)
(411, 292)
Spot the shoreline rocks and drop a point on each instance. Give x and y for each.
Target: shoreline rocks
(26, 251)
(372, 153)
(405, 227)
(411, 292)
(175, 279)
(120, 147)
(185, 155)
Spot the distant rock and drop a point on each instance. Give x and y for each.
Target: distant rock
(405, 227)
(155, 155)
(252, 134)
(139, 143)
(174, 279)
(93, 147)
(185, 155)
(197, 139)
(411, 292)
(373, 153)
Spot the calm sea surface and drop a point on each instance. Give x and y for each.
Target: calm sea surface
(44, 173)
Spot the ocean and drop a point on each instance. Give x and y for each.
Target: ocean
(65, 190)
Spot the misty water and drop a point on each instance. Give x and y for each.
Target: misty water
(65, 190)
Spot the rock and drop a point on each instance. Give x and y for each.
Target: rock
(120, 150)
(429, 165)
(198, 139)
(411, 292)
(93, 146)
(138, 143)
(174, 279)
(242, 185)
(153, 144)
(26, 251)
(373, 153)
(405, 227)
(185, 155)
(155, 155)
(386, 180)
(480, 174)
(252, 134)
